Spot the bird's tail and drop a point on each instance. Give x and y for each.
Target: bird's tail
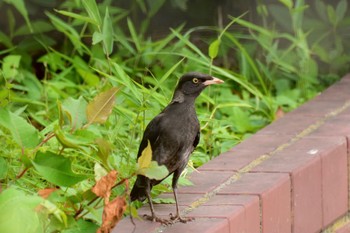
(139, 190)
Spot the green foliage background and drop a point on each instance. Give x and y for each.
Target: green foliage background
(80, 83)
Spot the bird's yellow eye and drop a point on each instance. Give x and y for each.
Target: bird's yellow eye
(195, 80)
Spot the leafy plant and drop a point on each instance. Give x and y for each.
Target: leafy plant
(76, 97)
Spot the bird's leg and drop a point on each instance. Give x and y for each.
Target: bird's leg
(177, 217)
(153, 216)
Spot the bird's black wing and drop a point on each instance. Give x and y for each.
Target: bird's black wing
(196, 140)
(151, 134)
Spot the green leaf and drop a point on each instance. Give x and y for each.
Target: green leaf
(150, 168)
(85, 72)
(107, 31)
(134, 36)
(74, 109)
(97, 37)
(15, 205)
(214, 49)
(92, 10)
(145, 159)
(3, 168)
(56, 169)
(20, 6)
(154, 171)
(99, 172)
(24, 134)
(78, 16)
(69, 31)
(90, 78)
(104, 149)
(331, 15)
(57, 212)
(69, 140)
(82, 226)
(341, 10)
(101, 106)
(287, 3)
(10, 66)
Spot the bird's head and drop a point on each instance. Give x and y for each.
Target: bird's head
(193, 83)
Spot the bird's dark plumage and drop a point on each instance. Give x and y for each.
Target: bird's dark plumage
(173, 135)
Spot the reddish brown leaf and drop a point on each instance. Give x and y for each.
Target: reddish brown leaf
(112, 214)
(45, 193)
(279, 113)
(103, 187)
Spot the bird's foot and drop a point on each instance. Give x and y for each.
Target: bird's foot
(178, 218)
(154, 218)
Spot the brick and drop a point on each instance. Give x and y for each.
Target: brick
(245, 152)
(185, 199)
(337, 92)
(302, 161)
(337, 126)
(273, 190)
(317, 108)
(125, 226)
(318, 168)
(291, 124)
(334, 183)
(306, 198)
(161, 210)
(251, 209)
(205, 181)
(205, 225)
(234, 214)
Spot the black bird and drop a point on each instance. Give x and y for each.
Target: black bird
(173, 135)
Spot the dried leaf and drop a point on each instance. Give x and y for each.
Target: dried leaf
(112, 214)
(45, 193)
(101, 106)
(279, 113)
(104, 185)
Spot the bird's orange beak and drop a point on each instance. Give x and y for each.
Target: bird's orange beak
(213, 81)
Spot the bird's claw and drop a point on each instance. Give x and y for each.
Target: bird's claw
(157, 219)
(178, 218)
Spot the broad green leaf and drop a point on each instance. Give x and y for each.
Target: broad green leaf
(82, 226)
(214, 49)
(57, 212)
(18, 213)
(150, 168)
(92, 10)
(85, 71)
(331, 15)
(69, 140)
(78, 16)
(97, 37)
(145, 159)
(90, 78)
(154, 171)
(104, 150)
(99, 172)
(74, 109)
(56, 169)
(99, 109)
(24, 134)
(341, 10)
(107, 31)
(10, 66)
